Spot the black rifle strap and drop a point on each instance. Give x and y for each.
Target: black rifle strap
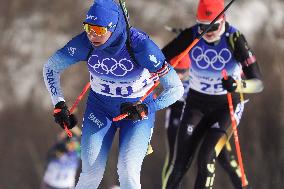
(128, 40)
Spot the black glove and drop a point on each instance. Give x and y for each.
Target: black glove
(229, 84)
(62, 115)
(135, 112)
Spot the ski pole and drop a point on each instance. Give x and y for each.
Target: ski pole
(85, 89)
(235, 131)
(180, 56)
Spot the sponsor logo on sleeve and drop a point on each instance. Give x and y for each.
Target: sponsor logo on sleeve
(154, 59)
(51, 81)
(71, 50)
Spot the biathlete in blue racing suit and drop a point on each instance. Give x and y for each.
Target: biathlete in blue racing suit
(117, 82)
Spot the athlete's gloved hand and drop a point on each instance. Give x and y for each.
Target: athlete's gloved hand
(229, 84)
(62, 115)
(135, 112)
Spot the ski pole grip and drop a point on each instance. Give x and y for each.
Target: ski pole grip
(224, 73)
(56, 110)
(120, 117)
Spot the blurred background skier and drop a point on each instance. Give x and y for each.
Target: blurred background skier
(63, 162)
(205, 117)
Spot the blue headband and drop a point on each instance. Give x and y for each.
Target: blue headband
(103, 13)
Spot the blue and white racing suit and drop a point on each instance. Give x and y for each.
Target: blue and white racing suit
(115, 78)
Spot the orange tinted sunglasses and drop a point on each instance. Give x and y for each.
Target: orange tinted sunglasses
(99, 30)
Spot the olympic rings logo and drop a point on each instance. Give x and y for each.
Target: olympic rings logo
(211, 58)
(111, 66)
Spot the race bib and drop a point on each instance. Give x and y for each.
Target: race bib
(127, 89)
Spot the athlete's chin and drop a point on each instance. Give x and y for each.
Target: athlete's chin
(209, 36)
(96, 44)
(211, 39)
